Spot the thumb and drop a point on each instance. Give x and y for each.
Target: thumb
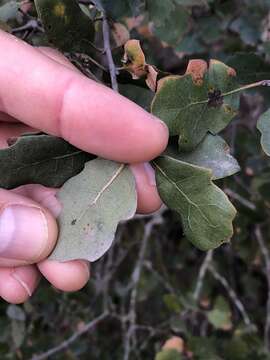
(28, 232)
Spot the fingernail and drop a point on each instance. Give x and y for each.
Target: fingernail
(23, 284)
(23, 232)
(155, 118)
(150, 174)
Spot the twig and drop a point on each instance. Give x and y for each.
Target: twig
(265, 252)
(108, 51)
(135, 278)
(232, 294)
(248, 204)
(203, 270)
(65, 344)
(107, 45)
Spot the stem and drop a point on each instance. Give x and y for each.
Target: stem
(247, 87)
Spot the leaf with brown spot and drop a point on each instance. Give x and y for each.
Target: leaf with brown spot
(94, 202)
(197, 102)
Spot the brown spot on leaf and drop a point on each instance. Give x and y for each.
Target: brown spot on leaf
(197, 69)
(231, 72)
(163, 81)
(73, 222)
(175, 343)
(151, 79)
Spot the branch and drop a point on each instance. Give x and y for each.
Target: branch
(203, 270)
(108, 51)
(65, 344)
(135, 278)
(232, 294)
(265, 252)
(240, 199)
(107, 44)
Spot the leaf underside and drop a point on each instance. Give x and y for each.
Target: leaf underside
(96, 200)
(212, 153)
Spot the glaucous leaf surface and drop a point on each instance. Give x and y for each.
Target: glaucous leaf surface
(194, 104)
(40, 159)
(205, 210)
(94, 202)
(66, 25)
(8, 10)
(212, 153)
(263, 126)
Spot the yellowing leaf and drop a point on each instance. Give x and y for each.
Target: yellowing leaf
(66, 25)
(134, 59)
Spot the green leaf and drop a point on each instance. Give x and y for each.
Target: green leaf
(205, 210)
(212, 153)
(118, 9)
(169, 354)
(172, 302)
(194, 104)
(141, 96)
(249, 67)
(40, 159)
(66, 25)
(94, 202)
(171, 25)
(263, 126)
(220, 316)
(192, 2)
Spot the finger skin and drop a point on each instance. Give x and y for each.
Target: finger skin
(69, 276)
(23, 248)
(17, 285)
(60, 101)
(148, 197)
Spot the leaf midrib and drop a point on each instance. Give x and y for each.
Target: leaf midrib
(182, 193)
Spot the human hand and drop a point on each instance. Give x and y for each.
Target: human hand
(40, 89)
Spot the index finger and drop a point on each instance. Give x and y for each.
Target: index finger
(57, 100)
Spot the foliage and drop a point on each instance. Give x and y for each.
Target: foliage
(154, 283)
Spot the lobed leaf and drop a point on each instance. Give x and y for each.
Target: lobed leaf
(205, 210)
(40, 159)
(212, 153)
(194, 104)
(94, 202)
